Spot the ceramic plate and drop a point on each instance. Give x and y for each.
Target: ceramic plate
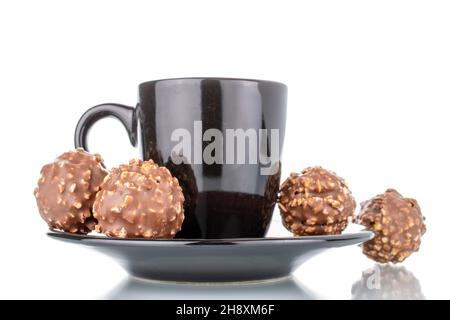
(212, 260)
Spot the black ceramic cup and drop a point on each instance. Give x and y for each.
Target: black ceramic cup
(221, 137)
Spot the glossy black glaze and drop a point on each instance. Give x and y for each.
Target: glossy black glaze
(124, 114)
(222, 200)
(213, 260)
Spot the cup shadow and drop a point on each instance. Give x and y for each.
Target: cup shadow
(387, 282)
(285, 288)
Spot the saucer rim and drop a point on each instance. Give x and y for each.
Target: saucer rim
(362, 234)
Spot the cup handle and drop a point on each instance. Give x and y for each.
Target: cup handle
(125, 114)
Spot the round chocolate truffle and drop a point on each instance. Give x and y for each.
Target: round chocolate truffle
(398, 225)
(66, 191)
(139, 200)
(315, 202)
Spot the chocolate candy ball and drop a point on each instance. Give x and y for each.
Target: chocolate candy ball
(66, 191)
(139, 200)
(398, 225)
(315, 202)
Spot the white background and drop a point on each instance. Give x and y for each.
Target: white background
(368, 98)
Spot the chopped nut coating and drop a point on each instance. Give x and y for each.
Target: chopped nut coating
(64, 199)
(139, 200)
(316, 202)
(398, 225)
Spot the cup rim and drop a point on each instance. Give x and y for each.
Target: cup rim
(277, 83)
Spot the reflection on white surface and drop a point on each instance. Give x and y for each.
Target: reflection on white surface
(387, 282)
(286, 288)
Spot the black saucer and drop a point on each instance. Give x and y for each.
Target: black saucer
(201, 260)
